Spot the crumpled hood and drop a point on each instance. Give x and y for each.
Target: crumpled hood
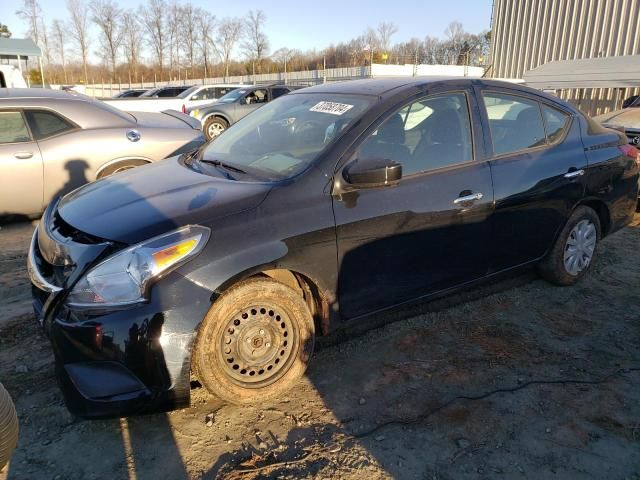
(146, 201)
(628, 118)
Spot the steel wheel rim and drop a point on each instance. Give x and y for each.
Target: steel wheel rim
(257, 345)
(215, 129)
(579, 248)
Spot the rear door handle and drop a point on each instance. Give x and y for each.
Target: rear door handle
(574, 174)
(468, 198)
(23, 155)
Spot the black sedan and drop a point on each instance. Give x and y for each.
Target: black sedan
(322, 207)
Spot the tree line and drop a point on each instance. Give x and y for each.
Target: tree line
(166, 40)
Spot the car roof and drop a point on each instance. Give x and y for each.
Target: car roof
(387, 87)
(15, 93)
(374, 86)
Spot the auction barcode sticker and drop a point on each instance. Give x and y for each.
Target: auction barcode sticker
(331, 107)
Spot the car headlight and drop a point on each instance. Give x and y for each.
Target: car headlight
(124, 277)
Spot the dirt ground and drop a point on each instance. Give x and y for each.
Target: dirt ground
(525, 381)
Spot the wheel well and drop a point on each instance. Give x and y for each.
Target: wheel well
(113, 165)
(603, 214)
(215, 115)
(308, 289)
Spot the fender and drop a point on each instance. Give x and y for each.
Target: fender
(224, 116)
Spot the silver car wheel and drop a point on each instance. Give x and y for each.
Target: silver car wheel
(579, 247)
(215, 129)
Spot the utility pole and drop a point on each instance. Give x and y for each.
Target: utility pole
(324, 69)
(285, 68)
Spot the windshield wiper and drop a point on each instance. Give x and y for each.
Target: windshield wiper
(218, 163)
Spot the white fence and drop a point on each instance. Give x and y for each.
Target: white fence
(310, 77)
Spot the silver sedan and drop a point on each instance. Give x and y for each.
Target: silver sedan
(52, 142)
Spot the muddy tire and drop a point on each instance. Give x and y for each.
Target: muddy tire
(575, 249)
(214, 126)
(8, 427)
(255, 342)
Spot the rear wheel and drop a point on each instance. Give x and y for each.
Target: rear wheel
(214, 126)
(255, 342)
(575, 248)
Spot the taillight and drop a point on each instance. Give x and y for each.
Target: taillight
(631, 151)
(184, 109)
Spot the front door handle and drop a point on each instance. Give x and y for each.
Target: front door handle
(23, 155)
(574, 174)
(468, 198)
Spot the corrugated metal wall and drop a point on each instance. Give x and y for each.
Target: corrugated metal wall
(529, 33)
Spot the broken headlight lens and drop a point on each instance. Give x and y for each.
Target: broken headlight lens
(124, 277)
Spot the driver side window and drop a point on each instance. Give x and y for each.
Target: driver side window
(257, 96)
(431, 133)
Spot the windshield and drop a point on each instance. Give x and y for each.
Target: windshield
(188, 92)
(282, 138)
(233, 95)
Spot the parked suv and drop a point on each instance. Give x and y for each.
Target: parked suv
(327, 205)
(218, 116)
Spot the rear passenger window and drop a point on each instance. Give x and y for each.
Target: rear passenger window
(556, 122)
(279, 91)
(46, 124)
(431, 133)
(515, 123)
(13, 128)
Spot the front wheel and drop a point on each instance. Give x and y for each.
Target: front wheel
(214, 126)
(575, 249)
(255, 342)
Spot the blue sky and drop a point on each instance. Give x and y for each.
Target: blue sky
(306, 24)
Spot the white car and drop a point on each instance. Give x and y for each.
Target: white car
(192, 97)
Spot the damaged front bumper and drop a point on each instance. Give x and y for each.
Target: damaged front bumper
(113, 362)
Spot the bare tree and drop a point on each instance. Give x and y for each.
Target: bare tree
(108, 17)
(131, 41)
(229, 32)
(59, 40)
(30, 13)
(174, 18)
(188, 33)
(256, 43)
(206, 31)
(455, 42)
(153, 19)
(385, 31)
(79, 26)
(44, 41)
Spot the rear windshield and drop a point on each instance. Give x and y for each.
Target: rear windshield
(285, 136)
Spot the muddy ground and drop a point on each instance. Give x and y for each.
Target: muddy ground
(530, 381)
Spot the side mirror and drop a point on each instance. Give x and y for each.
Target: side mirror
(372, 172)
